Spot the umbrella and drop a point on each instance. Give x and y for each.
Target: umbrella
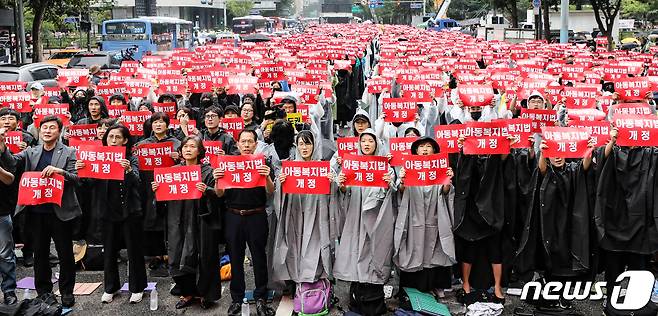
(630, 46)
(256, 38)
(630, 40)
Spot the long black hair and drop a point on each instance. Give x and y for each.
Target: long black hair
(283, 137)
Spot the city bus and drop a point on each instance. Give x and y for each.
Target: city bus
(251, 24)
(149, 34)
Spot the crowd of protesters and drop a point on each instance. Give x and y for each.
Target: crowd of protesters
(571, 194)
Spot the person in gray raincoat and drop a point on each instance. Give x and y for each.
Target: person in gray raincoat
(424, 244)
(193, 237)
(302, 245)
(363, 222)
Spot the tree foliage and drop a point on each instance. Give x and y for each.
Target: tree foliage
(605, 12)
(239, 8)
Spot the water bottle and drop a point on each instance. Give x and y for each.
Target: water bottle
(154, 300)
(654, 294)
(26, 294)
(245, 307)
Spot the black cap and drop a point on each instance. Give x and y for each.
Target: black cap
(425, 139)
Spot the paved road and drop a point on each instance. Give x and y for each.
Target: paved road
(90, 305)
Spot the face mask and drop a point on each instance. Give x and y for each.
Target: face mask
(476, 115)
(205, 103)
(79, 99)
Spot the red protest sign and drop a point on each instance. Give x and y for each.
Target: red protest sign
(632, 89)
(7, 86)
(365, 171)
(598, 130)
(134, 121)
(306, 177)
(110, 88)
(35, 190)
(565, 142)
(116, 110)
(213, 150)
(400, 147)
(378, 84)
(585, 114)
(476, 95)
(630, 108)
(19, 101)
(233, 126)
(138, 87)
(242, 84)
(72, 77)
(59, 110)
(539, 117)
(486, 138)
(168, 108)
(347, 145)
(521, 129)
(272, 71)
(398, 110)
(76, 143)
(82, 132)
(101, 162)
(637, 130)
(155, 155)
(580, 97)
(240, 171)
(426, 170)
(447, 137)
(177, 183)
(13, 139)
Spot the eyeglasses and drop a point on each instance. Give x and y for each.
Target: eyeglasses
(211, 116)
(247, 110)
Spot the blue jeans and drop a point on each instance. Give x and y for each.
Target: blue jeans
(7, 256)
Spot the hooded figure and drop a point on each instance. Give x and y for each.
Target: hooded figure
(362, 227)
(346, 96)
(302, 244)
(119, 97)
(104, 113)
(424, 244)
(360, 122)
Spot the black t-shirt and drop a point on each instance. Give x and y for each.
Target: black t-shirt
(245, 199)
(9, 196)
(44, 161)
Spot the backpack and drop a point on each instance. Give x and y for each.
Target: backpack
(367, 299)
(313, 299)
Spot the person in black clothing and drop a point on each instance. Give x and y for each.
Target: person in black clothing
(119, 204)
(193, 235)
(246, 224)
(213, 131)
(95, 111)
(78, 102)
(154, 212)
(50, 220)
(7, 257)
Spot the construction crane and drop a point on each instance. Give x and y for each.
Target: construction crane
(442, 8)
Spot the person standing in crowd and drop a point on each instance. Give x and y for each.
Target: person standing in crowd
(624, 210)
(246, 224)
(364, 223)
(7, 206)
(302, 242)
(95, 111)
(50, 220)
(118, 202)
(213, 131)
(154, 212)
(424, 244)
(193, 241)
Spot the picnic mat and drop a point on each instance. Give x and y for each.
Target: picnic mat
(28, 283)
(149, 287)
(83, 288)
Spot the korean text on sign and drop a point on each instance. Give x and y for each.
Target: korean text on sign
(177, 183)
(240, 171)
(306, 177)
(35, 190)
(365, 171)
(101, 162)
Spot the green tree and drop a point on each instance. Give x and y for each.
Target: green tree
(239, 8)
(605, 12)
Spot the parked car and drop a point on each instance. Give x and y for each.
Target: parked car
(44, 73)
(107, 60)
(62, 57)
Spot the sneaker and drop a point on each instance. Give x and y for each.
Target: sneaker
(107, 298)
(235, 309)
(10, 298)
(136, 297)
(68, 300)
(262, 309)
